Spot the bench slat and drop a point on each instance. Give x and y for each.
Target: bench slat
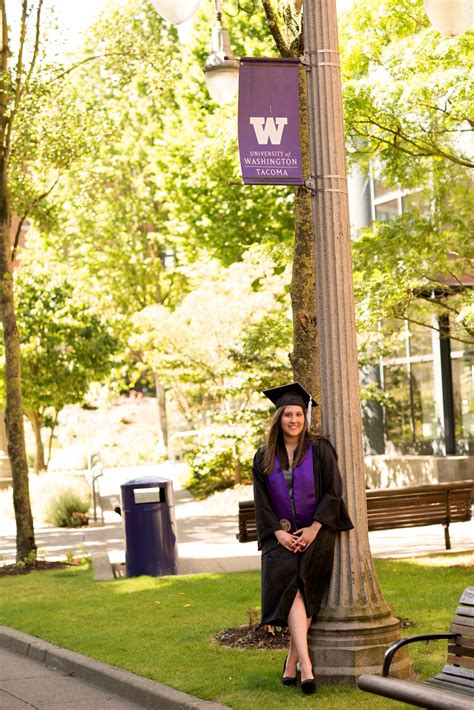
(392, 524)
(420, 519)
(461, 661)
(468, 596)
(465, 641)
(405, 517)
(448, 686)
(451, 485)
(419, 694)
(456, 498)
(461, 650)
(464, 621)
(405, 502)
(457, 672)
(465, 610)
(463, 682)
(420, 508)
(461, 629)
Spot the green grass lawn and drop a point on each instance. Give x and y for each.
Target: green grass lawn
(162, 628)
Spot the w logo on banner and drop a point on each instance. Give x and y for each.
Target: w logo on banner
(269, 129)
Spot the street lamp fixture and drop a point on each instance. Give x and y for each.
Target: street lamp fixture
(176, 11)
(221, 68)
(450, 17)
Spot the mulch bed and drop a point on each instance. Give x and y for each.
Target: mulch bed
(407, 623)
(265, 636)
(39, 565)
(253, 637)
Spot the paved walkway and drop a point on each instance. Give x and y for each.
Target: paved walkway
(206, 532)
(25, 683)
(38, 674)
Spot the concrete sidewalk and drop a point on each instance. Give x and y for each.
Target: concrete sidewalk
(206, 532)
(37, 674)
(25, 683)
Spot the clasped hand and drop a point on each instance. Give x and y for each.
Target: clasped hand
(299, 540)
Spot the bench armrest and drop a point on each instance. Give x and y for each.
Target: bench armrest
(391, 651)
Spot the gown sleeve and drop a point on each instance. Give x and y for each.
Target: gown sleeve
(330, 510)
(266, 519)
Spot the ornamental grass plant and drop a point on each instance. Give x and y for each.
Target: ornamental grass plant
(163, 628)
(68, 509)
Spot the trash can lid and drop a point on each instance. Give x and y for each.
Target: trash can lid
(145, 481)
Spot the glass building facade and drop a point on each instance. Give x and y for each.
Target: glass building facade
(428, 378)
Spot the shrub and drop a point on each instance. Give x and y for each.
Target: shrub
(215, 464)
(69, 509)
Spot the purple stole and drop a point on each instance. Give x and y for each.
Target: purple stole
(303, 492)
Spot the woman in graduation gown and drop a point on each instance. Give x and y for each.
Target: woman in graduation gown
(299, 512)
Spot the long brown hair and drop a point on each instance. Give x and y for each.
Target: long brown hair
(275, 444)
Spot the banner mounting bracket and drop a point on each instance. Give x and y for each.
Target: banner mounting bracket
(310, 184)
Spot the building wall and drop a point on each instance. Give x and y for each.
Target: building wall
(430, 378)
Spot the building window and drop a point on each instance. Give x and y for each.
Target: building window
(385, 211)
(411, 424)
(428, 377)
(462, 358)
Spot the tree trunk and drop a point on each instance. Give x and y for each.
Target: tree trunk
(51, 435)
(36, 421)
(25, 538)
(305, 356)
(162, 417)
(237, 466)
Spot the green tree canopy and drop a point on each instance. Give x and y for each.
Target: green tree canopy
(408, 109)
(409, 92)
(65, 345)
(227, 340)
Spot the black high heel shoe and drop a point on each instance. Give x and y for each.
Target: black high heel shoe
(287, 679)
(308, 686)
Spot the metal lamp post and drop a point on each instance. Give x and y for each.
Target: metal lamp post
(355, 625)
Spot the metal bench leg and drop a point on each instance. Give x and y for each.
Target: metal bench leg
(446, 537)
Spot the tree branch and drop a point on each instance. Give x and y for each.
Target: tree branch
(36, 44)
(92, 58)
(420, 148)
(402, 315)
(3, 87)
(27, 212)
(18, 84)
(275, 30)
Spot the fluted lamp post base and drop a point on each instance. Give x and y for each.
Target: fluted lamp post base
(342, 650)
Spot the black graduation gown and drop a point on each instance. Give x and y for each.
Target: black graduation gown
(284, 572)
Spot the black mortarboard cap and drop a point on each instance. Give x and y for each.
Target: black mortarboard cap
(294, 393)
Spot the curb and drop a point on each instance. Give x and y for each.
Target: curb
(148, 693)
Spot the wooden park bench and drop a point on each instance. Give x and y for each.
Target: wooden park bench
(453, 687)
(388, 508)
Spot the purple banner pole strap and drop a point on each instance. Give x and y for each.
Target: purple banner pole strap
(269, 122)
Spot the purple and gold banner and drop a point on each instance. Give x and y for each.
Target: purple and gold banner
(269, 122)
